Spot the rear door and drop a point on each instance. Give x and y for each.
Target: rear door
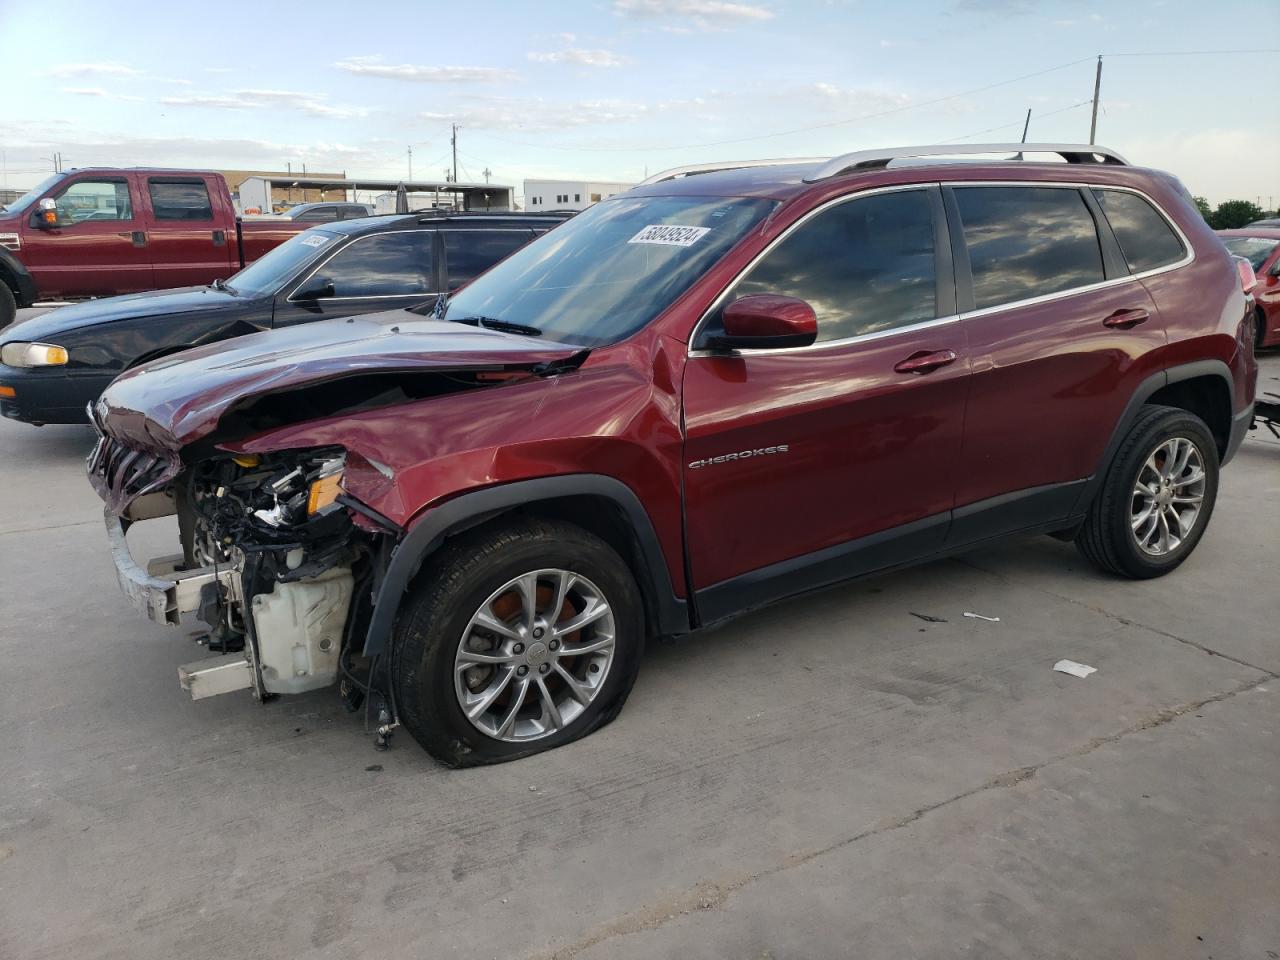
(469, 253)
(808, 465)
(1061, 334)
(99, 249)
(380, 271)
(187, 234)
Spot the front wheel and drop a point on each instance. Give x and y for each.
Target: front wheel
(1157, 496)
(8, 305)
(516, 639)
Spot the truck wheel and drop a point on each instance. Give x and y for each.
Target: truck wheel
(8, 305)
(514, 640)
(1157, 496)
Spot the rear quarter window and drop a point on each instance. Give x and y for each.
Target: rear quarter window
(1145, 237)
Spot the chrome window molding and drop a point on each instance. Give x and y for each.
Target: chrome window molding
(1188, 258)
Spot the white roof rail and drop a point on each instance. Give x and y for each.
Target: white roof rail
(878, 159)
(723, 165)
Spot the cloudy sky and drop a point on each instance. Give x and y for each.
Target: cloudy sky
(609, 88)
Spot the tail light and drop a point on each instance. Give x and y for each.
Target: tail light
(1248, 279)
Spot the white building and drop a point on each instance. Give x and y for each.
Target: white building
(568, 194)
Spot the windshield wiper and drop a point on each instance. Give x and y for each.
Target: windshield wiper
(503, 326)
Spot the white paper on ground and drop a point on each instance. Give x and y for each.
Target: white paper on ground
(978, 616)
(1073, 668)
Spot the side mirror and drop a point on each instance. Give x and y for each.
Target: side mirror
(766, 321)
(316, 288)
(46, 215)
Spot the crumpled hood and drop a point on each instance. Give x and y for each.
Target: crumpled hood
(48, 326)
(171, 402)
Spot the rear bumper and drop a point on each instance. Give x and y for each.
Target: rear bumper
(1240, 424)
(163, 592)
(50, 396)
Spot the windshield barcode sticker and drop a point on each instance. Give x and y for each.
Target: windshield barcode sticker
(670, 235)
(316, 241)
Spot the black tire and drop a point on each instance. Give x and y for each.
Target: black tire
(1107, 539)
(8, 305)
(452, 587)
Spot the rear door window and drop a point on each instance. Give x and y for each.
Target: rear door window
(180, 200)
(1146, 239)
(318, 215)
(865, 266)
(383, 265)
(1027, 242)
(469, 253)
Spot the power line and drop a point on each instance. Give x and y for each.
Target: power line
(1016, 123)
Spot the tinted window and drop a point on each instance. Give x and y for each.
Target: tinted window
(469, 253)
(1254, 249)
(94, 200)
(268, 273)
(188, 200)
(1146, 238)
(1027, 242)
(386, 264)
(864, 266)
(354, 213)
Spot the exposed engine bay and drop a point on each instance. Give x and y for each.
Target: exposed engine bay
(273, 566)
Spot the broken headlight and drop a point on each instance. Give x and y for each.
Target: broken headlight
(302, 492)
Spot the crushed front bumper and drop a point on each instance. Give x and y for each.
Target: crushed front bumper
(164, 592)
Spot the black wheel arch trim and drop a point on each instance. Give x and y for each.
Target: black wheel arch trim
(669, 613)
(11, 268)
(1147, 389)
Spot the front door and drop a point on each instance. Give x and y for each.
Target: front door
(381, 271)
(807, 465)
(99, 247)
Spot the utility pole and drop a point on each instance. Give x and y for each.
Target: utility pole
(487, 174)
(411, 163)
(1097, 87)
(454, 142)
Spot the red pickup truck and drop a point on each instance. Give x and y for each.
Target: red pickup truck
(102, 231)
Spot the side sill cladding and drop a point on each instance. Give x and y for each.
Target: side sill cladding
(670, 612)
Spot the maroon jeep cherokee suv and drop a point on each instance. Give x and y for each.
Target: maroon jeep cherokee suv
(732, 384)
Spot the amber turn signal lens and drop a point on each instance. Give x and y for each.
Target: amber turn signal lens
(8, 392)
(247, 460)
(324, 492)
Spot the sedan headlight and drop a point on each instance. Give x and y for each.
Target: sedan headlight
(33, 355)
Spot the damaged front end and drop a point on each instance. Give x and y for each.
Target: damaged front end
(271, 564)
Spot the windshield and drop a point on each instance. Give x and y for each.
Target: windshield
(1254, 249)
(270, 271)
(603, 275)
(32, 195)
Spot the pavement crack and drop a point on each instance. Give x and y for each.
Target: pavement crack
(713, 894)
(48, 526)
(1203, 648)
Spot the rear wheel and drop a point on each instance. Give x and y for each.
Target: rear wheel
(8, 305)
(516, 640)
(1157, 497)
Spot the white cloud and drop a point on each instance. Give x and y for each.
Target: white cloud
(421, 73)
(99, 92)
(538, 115)
(109, 68)
(705, 14)
(580, 57)
(255, 99)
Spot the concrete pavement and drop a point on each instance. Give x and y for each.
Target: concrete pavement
(831, 777)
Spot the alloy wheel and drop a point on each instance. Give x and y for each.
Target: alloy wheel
(1167, 496)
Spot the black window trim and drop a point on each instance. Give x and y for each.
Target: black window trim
(943, 270)
(1110, 247)
(436, 258)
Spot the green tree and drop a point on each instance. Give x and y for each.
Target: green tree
(1202, 205)
(1235, 213)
